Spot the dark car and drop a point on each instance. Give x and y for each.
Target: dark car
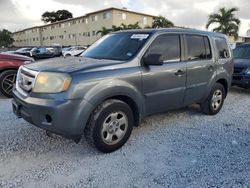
(241, 76)
(9, 64)
(122, 78)
(46, 52)
(23, 51)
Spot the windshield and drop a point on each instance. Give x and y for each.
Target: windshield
(242, 52)
(117, 46)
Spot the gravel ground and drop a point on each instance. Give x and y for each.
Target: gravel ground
(177, 149)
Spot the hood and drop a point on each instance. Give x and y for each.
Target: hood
(242, 62)
(15, 57)
(70, 64)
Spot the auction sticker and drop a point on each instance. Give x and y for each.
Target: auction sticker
(139, 36)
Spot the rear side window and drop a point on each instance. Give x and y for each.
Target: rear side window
(168, 46)
(222, 48)
(199, 47)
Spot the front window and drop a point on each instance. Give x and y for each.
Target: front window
(242, 52)
(117, 46)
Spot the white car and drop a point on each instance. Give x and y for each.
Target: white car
(75, 51)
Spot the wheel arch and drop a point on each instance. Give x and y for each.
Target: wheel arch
(224, 82)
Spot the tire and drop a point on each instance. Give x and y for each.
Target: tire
(119, 120)
(213, 104)
(7, 81)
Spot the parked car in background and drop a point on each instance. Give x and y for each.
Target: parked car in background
(241, 76)
(9, 64)
(75, 51)
(23, 51)
(45, 52)
(122, 78)
(66, 49)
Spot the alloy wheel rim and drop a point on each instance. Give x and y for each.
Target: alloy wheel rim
(8, 83)
(114, 128)
(217, 99)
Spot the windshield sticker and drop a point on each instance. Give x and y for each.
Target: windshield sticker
(139, 36)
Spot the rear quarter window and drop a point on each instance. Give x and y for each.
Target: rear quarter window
(222, 48)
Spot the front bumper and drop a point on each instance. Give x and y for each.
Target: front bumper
(242, 80)
(63, 117)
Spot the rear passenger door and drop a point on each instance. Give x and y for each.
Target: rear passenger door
(200, 67)
(164, 85)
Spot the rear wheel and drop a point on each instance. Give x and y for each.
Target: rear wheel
(7, 81)
(110, 126)
(213, 104)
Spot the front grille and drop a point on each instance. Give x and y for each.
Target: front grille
(25, 80)
(238, 69)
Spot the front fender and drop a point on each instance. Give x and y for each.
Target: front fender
(105, 90)
(108, 89)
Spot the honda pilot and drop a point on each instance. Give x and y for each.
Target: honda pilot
(122, 78)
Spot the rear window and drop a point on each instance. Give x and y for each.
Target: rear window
(222, 48)
(199, 47)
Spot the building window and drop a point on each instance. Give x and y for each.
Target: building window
(93, 33)
(74, 22)
(145, 20)
(94, 18)
(106, 15)
(124, 16)
(86, 21)
(69, 24)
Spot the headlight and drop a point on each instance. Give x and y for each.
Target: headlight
(51, 82)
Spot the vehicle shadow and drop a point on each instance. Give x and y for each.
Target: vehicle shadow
(2, 97)
(236, 89)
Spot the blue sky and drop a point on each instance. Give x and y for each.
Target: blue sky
(19, 14)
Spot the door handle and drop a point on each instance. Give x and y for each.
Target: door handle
(179, 73)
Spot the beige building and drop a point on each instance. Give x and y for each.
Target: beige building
(81, 30)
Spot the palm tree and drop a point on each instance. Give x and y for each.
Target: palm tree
(104, 31)
(227, 22)
(115, 28)
(161, 22)
(134, 26)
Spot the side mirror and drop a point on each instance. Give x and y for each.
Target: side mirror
(153, 59)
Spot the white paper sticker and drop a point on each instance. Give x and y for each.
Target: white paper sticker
(139, 36)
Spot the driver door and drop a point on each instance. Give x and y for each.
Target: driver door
(164, 85)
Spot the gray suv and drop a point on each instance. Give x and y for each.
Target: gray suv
(122, 78)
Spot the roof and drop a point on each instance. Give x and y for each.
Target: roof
(175, 30)
(86, 15)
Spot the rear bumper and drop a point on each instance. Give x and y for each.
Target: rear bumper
(241, 80)
(64, 117)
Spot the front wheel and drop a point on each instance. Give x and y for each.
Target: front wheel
(213, 104)
(110, 126)
(7, 81)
